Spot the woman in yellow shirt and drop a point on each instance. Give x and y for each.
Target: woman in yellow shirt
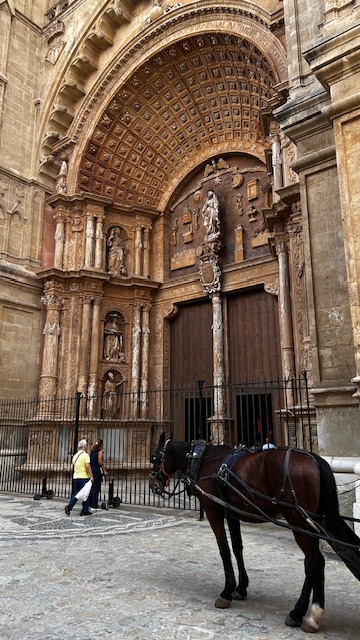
(82, 473)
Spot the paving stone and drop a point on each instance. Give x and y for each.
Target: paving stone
(135, 573)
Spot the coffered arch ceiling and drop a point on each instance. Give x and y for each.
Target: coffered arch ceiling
(192, 100)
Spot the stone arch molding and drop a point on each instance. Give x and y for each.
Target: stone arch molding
(239, 19)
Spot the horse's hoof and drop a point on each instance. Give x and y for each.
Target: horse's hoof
(311, 623)
(308, 628)
(222, 603)
(238, 596)
(290, 622)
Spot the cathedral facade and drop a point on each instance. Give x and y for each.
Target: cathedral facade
(178, 199)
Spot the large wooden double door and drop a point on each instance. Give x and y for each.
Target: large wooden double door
(252, 357)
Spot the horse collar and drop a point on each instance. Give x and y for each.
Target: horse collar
(195, 456)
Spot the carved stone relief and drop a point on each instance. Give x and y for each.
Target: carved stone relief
(233, 181)
(12, 217)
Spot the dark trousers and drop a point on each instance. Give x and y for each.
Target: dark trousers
(78, 484)
(95, 490)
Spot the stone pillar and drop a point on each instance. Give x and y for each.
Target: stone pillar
(219, 371)
(145, 360)
(84, 344)
(136, 356)
(99, 241)
(59, 238)
(51, 332)
(146, 268)
(138, 248)
(94, 355)
(276, 158)
(285, 315)
(89, 239)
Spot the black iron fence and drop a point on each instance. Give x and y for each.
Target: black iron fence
(39, 436)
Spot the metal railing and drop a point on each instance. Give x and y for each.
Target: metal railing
(39, 436)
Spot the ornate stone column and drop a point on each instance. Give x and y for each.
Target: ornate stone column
(94, 355)
(145, 360)
(276, 157)
(218, 357)
(89, 239)
(210, 277)
(51, 333)
(99, 241)
(285, 315)
(136, 354)
(138, 248)
(84, 344)
(146, 269)
(59, 216)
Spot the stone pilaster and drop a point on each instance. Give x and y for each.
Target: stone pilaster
(51, 332)
(285, 314)
(94, 354)
(138, 249)
(84, 344)
(136, 355)
(99, 236)
(145, 359)
(146, 269)
(89, 241)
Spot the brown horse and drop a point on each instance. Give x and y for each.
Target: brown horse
(236, 484)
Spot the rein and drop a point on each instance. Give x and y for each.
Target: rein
(265, 517)
(224, 472)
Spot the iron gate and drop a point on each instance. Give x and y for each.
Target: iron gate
(39, 437)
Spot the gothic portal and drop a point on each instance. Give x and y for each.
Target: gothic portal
(178, 200)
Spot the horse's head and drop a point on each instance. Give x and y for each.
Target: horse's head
(160, 474)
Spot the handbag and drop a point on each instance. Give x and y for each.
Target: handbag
(84, 493)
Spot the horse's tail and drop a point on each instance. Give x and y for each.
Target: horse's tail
(334, 524)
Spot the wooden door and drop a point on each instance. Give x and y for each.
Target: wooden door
(254, 367)
(191, 360)
(253, 337)
(191, 357)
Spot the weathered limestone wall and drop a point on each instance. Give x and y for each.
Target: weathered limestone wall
(305, 119)
(21, 199)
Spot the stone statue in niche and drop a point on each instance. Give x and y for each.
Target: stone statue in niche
(210, 214)
(110, 396)
(116, 253)
(113, 340)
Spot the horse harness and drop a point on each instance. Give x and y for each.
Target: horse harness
(225, 473)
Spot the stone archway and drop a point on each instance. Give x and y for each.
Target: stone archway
(194, 97)
(187, 90)
(221, 28)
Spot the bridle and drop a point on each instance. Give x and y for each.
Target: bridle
(159, 479)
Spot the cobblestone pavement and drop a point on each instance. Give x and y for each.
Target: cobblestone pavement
(136, 574)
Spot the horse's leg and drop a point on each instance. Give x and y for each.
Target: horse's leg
(312, 621)
(240, 592)
(216, 521)
(314, 581)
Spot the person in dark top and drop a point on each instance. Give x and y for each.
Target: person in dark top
(98, 470)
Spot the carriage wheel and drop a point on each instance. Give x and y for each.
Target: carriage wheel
(49, 494)
(116, 502)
